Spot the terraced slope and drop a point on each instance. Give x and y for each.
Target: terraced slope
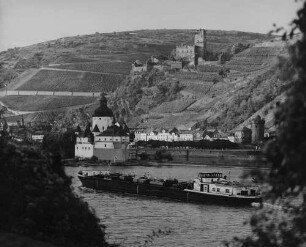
(44, 103)
(101, 67)
(61, 80)
(90, 63)
(252, 83)
(255, 58)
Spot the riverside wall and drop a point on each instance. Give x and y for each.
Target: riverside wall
(245, 158)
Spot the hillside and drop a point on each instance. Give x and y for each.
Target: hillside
(101, 62)
(206, 98)
(110, 52)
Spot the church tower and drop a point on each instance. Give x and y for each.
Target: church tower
(103, 116)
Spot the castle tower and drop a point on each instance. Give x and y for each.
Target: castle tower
(103, 116)
(200, 44)
(258, 129)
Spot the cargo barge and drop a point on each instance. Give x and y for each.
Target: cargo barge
(208, 188)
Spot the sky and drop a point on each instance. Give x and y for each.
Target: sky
(26, 22)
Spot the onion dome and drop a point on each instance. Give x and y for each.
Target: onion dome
(103, 110)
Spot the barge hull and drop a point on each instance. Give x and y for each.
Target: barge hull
(120, 186)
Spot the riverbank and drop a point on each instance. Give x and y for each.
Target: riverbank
(188, 157)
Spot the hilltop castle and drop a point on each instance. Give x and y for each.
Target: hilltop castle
(192, 53)
(106, 140)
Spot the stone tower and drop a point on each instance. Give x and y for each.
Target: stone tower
(258, 129)
(103, 116)
(200, 44)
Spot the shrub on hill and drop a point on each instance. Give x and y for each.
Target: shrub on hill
(33, 62)
(260, 91)
(6, 76)
(37, 201)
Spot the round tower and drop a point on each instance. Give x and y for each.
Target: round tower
(103, 116)
(258, 129)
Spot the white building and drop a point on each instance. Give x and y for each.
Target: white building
(163, 135)
(106, 140)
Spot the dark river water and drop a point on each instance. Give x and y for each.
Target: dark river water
(143, 221)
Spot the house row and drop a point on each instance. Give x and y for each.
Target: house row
(164, 135)
(181, 135)
(18, 131)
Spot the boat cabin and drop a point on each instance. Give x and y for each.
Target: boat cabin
(216, 183)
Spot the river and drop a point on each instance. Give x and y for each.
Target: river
(142, 221)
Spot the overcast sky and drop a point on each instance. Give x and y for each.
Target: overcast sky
(25, 22)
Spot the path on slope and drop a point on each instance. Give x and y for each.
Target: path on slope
(22, 78)
(82, 71)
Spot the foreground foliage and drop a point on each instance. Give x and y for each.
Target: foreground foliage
(286, 184)
(37, 201)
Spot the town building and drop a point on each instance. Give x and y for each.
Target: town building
(138, 67)
(103, 138)
(164, 135)
(214, 135)
(243, 136)
(33, 135)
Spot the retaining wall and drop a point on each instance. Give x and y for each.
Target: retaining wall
(51, 93)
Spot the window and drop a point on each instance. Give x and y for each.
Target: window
(88, 148)
(105, 145)
(218, 189)
(213, 189)
(227, 191)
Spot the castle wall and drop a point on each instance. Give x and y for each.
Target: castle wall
(185, 52)
(102, 122)
(119, 155)
(83, 150)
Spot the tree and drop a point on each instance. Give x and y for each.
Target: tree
(60, 143)
(37, 200)
(287, 156)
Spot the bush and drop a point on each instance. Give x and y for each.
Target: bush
(94, 158)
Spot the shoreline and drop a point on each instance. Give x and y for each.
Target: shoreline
(188, 157)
